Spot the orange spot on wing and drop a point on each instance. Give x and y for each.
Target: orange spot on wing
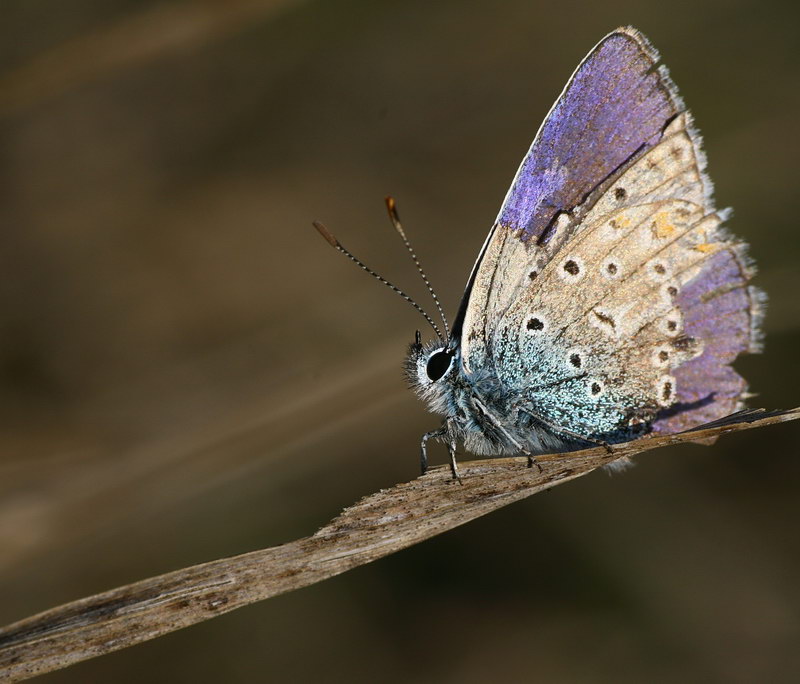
(662, 226)
(620, 222)
(706, 247)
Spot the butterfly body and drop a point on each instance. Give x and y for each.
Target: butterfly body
(607, 301)
(478, 410)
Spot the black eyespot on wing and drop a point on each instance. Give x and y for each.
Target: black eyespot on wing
(535, 324)
(620, 193)
(438, 365)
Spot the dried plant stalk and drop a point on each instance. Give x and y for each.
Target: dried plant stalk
(380, 524)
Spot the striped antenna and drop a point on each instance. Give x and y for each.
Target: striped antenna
(391, 207)
(333, 242)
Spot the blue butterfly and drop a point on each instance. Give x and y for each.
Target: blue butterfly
(607, 301)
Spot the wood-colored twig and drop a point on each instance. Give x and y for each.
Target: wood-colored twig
(376, 526)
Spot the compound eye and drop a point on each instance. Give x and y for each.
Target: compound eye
(438, 364)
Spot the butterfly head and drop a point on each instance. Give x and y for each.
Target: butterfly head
(430, 371)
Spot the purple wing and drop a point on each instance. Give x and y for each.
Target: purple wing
(616, 104)
(720, 309)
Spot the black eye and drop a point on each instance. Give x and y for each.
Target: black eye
(438, 364)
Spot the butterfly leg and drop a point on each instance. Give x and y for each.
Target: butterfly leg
(597, 442)
(423, 455)
(451, 449)
(531, 460)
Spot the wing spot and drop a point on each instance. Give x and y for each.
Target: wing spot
(666, 390)
(658, 270)
(620, 194)
(668, 293)
(620, 222)
(671, 324)
(706, 248)
(610, 269)
(532, 275)
(535, 324)
(595, 388)
(575, 360)
(662, 227)
(605, 319)
(660, 357)
(684, 343)
(571, 269)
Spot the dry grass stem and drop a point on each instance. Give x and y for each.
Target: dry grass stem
(376, 526)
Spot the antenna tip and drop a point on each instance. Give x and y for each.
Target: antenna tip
(322, 230)
(391, 207)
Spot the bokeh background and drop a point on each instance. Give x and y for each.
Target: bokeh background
(187, 371)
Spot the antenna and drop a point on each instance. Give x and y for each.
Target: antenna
(395, 219)
(333, 242)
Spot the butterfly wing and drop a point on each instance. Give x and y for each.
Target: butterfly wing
(607, 296)
(616, 103)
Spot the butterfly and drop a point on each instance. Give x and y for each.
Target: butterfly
(607, 302)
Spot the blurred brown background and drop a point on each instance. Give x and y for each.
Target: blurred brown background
(188, 371)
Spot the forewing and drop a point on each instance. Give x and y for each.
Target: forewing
(614, 107)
